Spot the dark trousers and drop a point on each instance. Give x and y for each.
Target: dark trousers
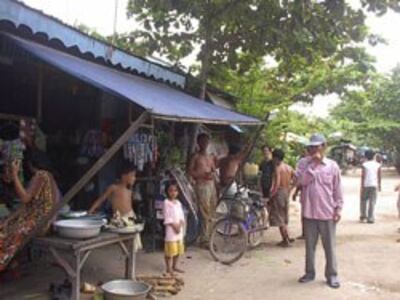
(368, 198)
(327, 230)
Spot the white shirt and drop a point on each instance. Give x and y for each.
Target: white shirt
(173, 214)
(371, 168)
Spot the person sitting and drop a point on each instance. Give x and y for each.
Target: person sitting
(38, 202)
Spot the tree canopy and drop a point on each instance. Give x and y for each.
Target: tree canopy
(235, 34)
(370, 116)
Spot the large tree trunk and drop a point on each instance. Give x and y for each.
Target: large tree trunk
(205, 69)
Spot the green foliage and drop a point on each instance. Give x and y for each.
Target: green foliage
(235, 34)
(370, 116)
(263, 89)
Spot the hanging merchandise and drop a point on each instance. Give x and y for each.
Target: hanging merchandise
(92, 144)
(140, 149)
(11, 150)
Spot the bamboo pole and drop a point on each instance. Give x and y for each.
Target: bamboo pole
(101, 162)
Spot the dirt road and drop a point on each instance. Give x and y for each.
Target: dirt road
(368, 258)
(368, 261)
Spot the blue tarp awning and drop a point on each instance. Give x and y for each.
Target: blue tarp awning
(162, 101)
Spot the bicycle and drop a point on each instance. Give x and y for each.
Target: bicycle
(242, 225)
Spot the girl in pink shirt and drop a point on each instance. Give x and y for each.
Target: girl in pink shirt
(174, 222)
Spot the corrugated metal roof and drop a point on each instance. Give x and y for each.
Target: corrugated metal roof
(20, 14)
(162, 101)
(217, 100)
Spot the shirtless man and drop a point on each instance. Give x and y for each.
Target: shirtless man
(280, 191)
(229, 165)
(119, 193)
(202, 170)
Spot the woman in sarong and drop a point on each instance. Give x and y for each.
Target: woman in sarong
(37, 202)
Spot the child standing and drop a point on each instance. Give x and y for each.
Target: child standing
(174, 222)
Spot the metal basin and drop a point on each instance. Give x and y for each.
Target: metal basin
(82, 215)
(125, 289)
(78, 229)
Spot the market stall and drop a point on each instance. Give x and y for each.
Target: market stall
(93, 117)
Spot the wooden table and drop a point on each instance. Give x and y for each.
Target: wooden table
(80, 250)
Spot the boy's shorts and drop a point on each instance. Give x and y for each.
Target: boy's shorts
(172, 249)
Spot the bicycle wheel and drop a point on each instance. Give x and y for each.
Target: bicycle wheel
(228, 241)
(192, 229)
(256, 237)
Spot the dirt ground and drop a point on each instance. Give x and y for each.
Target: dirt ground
(368, 257)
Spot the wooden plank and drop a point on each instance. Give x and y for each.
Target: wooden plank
(130, 113)
(84, 259)
(68, 269)
(71, 244)
(124, 249)
(103, 239)
(148, 126)
(48, 242)
(100, 163)
(76, 284)
(131, 268)
(121, 238)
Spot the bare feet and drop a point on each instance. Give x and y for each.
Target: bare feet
(169, 274)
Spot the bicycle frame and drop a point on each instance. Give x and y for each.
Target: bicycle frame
(250, 219)
(252, 216)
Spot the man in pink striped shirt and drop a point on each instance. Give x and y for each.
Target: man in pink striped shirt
(320, 182)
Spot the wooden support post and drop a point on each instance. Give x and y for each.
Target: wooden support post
(124, 249)
(130, 113)
(100, 163)
(84, 258)
(39, 107)
(63, 263)
(131, 260)
(92, 172)
(76, 283)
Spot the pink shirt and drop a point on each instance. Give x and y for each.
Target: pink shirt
(321, 190)
(173, 214)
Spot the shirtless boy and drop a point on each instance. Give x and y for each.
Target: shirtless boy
(280, 191)
(119, 193)
(202, 170)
